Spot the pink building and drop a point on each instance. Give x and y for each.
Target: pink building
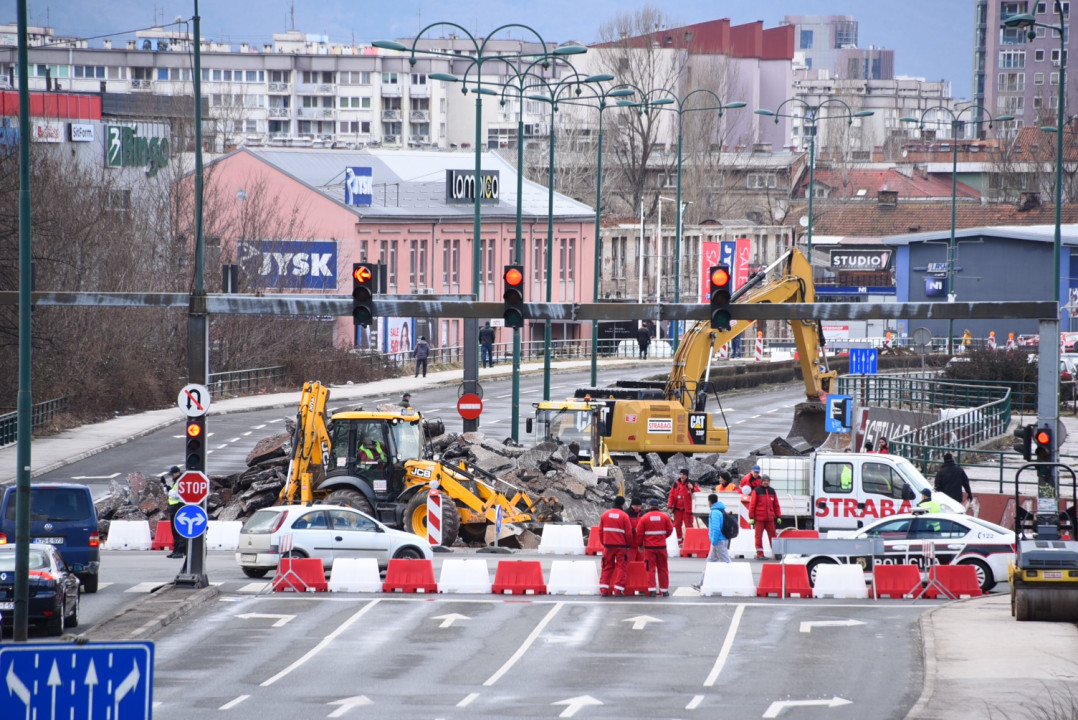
(318, 211)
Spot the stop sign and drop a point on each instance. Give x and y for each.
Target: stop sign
(470, 406)
(193, 487)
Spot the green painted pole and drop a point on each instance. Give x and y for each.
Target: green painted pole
(549, 256)
(519, 255)
(598, 249)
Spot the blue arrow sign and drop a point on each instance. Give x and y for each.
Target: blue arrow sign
(863, 361)
(191, 521)
(54, 680)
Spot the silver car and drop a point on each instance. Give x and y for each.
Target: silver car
(327, 532)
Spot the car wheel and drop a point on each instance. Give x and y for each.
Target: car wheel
(55, 624)
(408, 553)
(89, 583)
(985, 578)
(350, 498)
(255, 572)
(813, 564)
(415, 518)
(73, 618)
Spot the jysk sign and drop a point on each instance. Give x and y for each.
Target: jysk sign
(460, 187)
(860, 259)
(124, 147)
(358, 186)
(287, 264)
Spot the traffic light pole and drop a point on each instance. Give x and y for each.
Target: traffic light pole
(1046, 506)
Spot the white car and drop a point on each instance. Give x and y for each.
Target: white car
(328, 532)
(956, 539)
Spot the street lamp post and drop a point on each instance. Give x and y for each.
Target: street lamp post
(679, 106)
(812, 117)
(957, 124)
(553, 94)
(476, 60)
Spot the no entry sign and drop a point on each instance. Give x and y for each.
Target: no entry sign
(193, 487)
(470, 406)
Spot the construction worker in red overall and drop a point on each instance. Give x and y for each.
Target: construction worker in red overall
(617, 535)
(652, 529)
(680, 503)
(764, 513)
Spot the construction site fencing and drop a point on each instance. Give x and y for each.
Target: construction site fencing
(41, 414)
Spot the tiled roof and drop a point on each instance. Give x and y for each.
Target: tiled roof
(866, 183)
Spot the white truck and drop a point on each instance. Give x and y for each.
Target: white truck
(813, 494)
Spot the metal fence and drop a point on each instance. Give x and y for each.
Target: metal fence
(237, 382)
(40, 414)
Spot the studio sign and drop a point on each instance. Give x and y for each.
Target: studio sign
(860, 259)
(460, 187)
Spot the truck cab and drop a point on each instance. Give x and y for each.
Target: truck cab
(374, 446)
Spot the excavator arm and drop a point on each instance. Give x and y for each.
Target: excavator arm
(310, 444)
(791, 283)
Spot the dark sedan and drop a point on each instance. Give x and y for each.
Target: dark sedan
(54, 589)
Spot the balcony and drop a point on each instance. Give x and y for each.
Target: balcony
(279, 87)
(391, 114)
(419, 116)
(319, 113)
(142, 84)
(391, 140)
(280, 112)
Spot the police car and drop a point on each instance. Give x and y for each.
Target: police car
(955, 539)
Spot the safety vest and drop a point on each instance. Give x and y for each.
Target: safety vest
(931, 506)
(846, 478)
(174, 494)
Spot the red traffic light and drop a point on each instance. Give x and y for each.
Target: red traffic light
(194, 430)
(361, 274)
(720, 276)
(513, 276)
(1043, 437)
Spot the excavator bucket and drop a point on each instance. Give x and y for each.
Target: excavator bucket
(809, 418)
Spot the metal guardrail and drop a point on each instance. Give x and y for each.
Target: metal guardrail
(40, 414)
(244, 381)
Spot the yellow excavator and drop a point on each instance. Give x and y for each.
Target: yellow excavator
(381, 462)
(671, 416)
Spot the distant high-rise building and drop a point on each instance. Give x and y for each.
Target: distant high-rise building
(1014, 75)
(827, 44)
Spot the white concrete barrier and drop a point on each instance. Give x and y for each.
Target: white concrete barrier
(573, 577)
(355, 575)
(672, 548)
(223, 534)
(565, 539)
(464, 575)
(840, 581)
(128, 535)
(728, 580)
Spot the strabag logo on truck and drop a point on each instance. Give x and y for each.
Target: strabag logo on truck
(847, 507)
(660, 426)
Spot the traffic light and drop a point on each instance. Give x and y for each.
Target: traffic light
(362, 293)
(719, 295)
(1024, 446)
(1043, 443)
(196, 444)
(514, 296)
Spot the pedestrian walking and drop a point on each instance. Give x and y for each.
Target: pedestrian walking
(617, 534)
(680, 503)
(764, 513)
(751, 480)
(652, 529)
(643, 339)
(486, 344)
(175, 503)
(720, 546)
(951, 480)
(421, 353)
(406, 400)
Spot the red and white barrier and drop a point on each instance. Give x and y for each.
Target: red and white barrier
(759, 347)
(434, 517)
(992, 340)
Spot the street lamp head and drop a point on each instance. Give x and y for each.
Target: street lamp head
(1049, 128)
(765, 113)
(570, 50)
(388, 45)
(444, 77)
(622, 92)
(485, 91)
(540, 98)
(733, 105)
(601, 77)
(1019, 20)
(627, 103)
(661, 101)
(909, 120)
(864, 113)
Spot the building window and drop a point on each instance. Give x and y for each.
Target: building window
(806, 39)
(419, 78)
(1012, 82)
(389, 78)
(1012, 59)
(760, 181)
(619, 247)
(1038, 56)
(90, 71)
(1038, 78)
(317, 77)
(280, 76)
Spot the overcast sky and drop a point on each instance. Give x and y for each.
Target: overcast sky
(931, 38)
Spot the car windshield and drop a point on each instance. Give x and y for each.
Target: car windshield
(262, 521)
(55, 504)
(564, 426)
(912, 475)
(990, 525)
(38, 560)
(409, 440)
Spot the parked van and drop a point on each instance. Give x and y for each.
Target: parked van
(61, 514)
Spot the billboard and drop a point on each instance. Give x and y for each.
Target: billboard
(358, 186)
(291, 264)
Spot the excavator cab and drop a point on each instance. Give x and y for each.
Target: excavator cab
(378, 447)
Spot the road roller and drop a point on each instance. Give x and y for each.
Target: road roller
(1044, 576)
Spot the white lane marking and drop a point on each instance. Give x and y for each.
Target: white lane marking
(322, 644)
(249, 432)
(695, 702)
(727, 645)
(755, 416)
(259, 427)
(524, 646)
(255, 587)
(234, 702)
(144, 587)
(773, 410)
(496, 397)
(235, 439)
(468, 700)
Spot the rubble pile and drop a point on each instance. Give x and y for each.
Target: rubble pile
(560, 489)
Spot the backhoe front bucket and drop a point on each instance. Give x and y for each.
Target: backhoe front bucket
(809, 420)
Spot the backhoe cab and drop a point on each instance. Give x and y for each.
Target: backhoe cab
(382, 462)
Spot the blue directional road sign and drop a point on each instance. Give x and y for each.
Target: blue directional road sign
(863, 361)
(58, 680)
(191, 521)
